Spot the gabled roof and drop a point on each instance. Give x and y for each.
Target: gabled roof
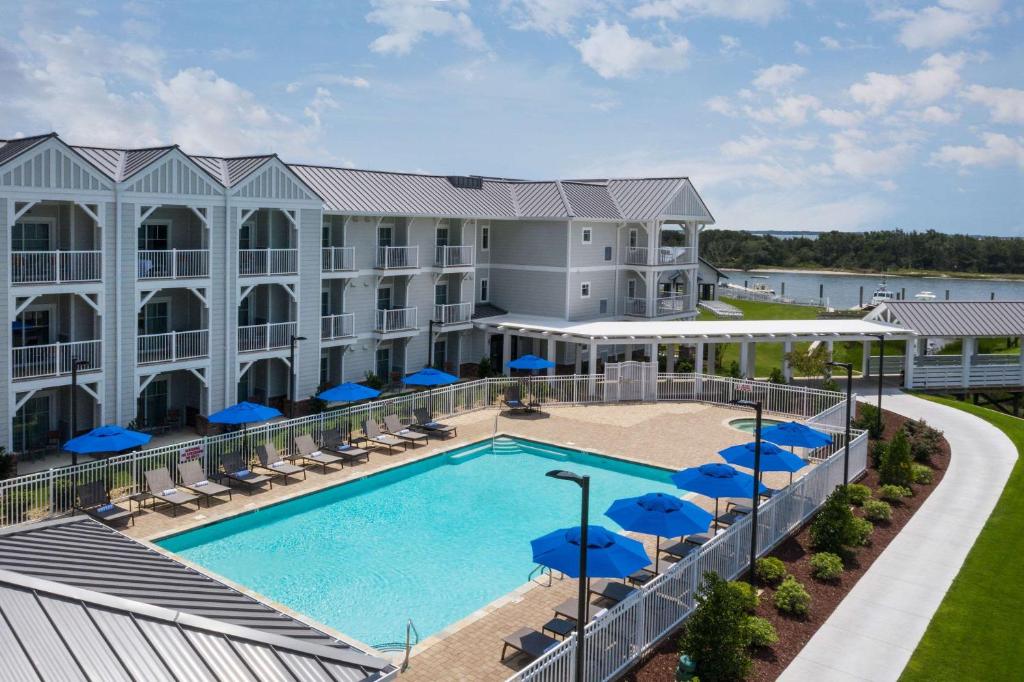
(538, 199)
(12, 148)
(955, 318)
(644, 198)
(121, 164)
(591, 200)
(230, 171)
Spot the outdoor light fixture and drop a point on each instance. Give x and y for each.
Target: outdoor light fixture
(291, 373)
(848, 366)
(581, 614)
(756, 495)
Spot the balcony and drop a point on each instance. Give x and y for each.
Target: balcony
(55, 359)
(397, 257)
(337, 327)
(173, 346)
(267, 262)
(56, 267)
(663, 256)
(338, 259)
(395, 320)
(174, 264)
(453, 313)
(255, 338)
(663, 306)
(453, 256)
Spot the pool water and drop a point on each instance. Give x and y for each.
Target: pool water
(433, 541)
(746, 424)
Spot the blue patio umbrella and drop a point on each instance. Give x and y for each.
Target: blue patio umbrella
(773, 458)
(717, 481)
(609, 555)
(244, 413)
(109, 438)
(348, 392)
(660, 515)
(430, 377)
(797, 435)
(530, 362)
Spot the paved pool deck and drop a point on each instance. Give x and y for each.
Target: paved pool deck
(875, 629)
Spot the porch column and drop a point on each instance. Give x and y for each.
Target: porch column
(1020, 358)
(829, 348)
(698, 359)
(711, 357)
(506, 351)
(752, 360)
(551, 356)
(577, 350)
(671, 355)
(744, 356)
(592, 366)
(865, 359)
(787, 368)
(652, 352)
(908, 363)
(967, 350)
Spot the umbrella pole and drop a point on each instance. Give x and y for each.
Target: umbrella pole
(716, 514)
(657, 554)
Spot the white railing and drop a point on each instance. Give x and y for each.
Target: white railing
(893, 364)
(635, 255)
(50, 493)
(453, 256)
(337, 326)
(56, 267)
(453, 313)
(173, 346)
(261, 337)
(174, 264)
(389, 257)
(663, 305)
(55, 359)
(663, 255)
(985, 370)
(266, 262)
(395, 319)
(338, 259)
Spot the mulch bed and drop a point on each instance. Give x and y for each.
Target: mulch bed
(794, 633)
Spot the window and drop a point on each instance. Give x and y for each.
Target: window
(154, 403)
(383, 364)
(326, 234)
(324, 368)
(245, 235)
(325, 303)
(244, 314)
(483, 290)
(631, 288)
(585, 290)
(634, 239)
(440, 354)
(608, 253)
(441, 293)
(385, 235)
(33, 236)
(588, 235)
(441, 238)
(154, 318)
(485, 238)
(384, 298)
(31, 328)
(32, 424)
(603, 306)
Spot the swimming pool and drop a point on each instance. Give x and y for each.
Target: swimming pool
(747, 424)
(433, 540)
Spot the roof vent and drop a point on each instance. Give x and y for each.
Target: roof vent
(466, 181)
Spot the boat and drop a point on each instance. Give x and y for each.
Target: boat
(882, 294)
(759, 285)
(924, 296)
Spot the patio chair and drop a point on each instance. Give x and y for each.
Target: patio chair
(529, 642)
(642, 577)
(395, 428)
(193, 479)
(94, 500)
(273, 462)
(162, 488)
(681, 550)
(514, 401)
(309, 452)
(613, 591)
(237, 471)
(374, 435)
(428, 426)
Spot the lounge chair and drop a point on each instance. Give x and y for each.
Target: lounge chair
(94, 500)
(309, 452)
(642, 577)
(610, 590)
(161, 487)
(237, 471)
(271, 461)
(681, 550)
(428, 426)
(374, 435)
(395, 428)
(514, 401)
(193, 479)
(529, 642)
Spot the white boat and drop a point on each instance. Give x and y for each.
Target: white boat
(760, 285)
(924, 296)
(882, 294)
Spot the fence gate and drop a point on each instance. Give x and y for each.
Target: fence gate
(625, 381)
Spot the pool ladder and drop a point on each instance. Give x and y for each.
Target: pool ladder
(540, 570)
(412, 638)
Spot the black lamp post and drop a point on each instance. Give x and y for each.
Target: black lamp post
(848, 366)
(881, 374)
(75, 364)
(291, 373)
(756, 495)
(430, 343)
(581, 613)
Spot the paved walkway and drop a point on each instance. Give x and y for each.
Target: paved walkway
(874, 631)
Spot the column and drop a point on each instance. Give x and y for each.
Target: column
(829, 345)
(592, 366)
(865, 359)
(578, 352)
(968, 348)
(652, 352)
(506, 351)
(752, 360)
(787, 369)
(908, 363)
(671, 357)
(1020, 358)
(698, 359)
(744, 356)
(551, 356)
(711, 357)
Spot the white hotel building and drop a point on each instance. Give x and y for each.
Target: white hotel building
(178, 281)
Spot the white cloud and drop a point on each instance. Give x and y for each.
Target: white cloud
(939, 76)
(934, 114)
(407, 21)
(791, 110)
(1005, 104)
(998, 149)
(851, 157)
(721, 105)
(841, 118)
(549, 16)
(327, 79)
(750, 146)
(728, 44)
(778, 75)
(801, 48)
(612, 52)
(942, 23)
(830, 43)
(744, 10)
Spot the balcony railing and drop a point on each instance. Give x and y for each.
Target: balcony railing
(663, 305)
(267, 262)
(338, 259)
(396, 257)
(262, 337)
(56, 267)
(174, 264)
(453, 313)
(663, 255)
(173, 346)
(55, 359)
(337, 326)
(395, 319)
(453, 256)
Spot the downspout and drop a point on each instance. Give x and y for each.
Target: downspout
(568, 268)
(230, 317)
(615, 256)
(117, 304)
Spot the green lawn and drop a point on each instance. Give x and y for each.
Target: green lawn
(978, 631)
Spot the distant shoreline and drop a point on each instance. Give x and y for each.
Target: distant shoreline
(925, 274)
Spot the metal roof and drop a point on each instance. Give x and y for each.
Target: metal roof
(644, 198)
(121, 164)
(955, 318)
(85, 554)
(230, 171)
(538, 199)
(588, 200)
(12, 148)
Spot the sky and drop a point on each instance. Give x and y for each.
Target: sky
(785, 114)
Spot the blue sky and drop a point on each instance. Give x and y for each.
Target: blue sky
(787, 114)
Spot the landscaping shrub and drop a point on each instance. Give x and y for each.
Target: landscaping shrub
(858, 494)
(925, 442)
(877, 511)
(895, 466)
(770, 570)
(826, 566)
(749, 598)
(878, 450)
(734, 369)
(776, 377)
(867, 420)
(8, 464)
(792, 598)
(761, 632)
(894, 493)
(862, 531)
(833, 528)
(921, 474)
(373, 381)
(716, 637)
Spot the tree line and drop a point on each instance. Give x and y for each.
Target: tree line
(868, 251)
